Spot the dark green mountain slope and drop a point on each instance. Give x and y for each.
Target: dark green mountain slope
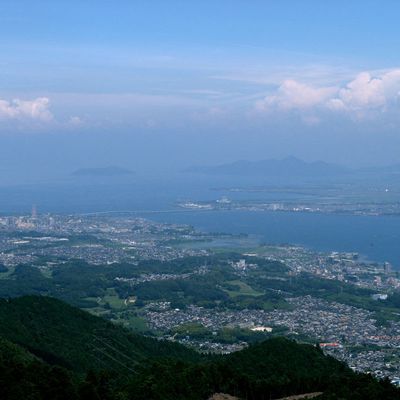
(64, 335)
(272, 369)
(281, 367)
(50, 350)
(23, 376)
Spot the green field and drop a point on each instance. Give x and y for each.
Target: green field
(243, 289)
(112, 300)
(6, 275)
(134, 323)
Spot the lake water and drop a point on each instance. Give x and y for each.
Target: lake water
(376, 238)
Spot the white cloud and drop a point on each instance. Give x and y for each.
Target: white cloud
(295, 95)
(363, 92)
(17, 109)
(75, 121)
(358, 97)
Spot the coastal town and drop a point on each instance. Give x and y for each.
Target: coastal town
(351, 333)
(326, 207)
(346, 332)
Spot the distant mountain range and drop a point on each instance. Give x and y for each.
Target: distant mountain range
(287, 167)
(292, 168)
(110, 171)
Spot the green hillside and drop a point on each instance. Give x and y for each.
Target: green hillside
(273, 369)
(23, 376)
(64, 335)
(50, 350)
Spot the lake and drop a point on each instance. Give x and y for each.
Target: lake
(374, 237)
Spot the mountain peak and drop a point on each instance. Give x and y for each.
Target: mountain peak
(287, 167)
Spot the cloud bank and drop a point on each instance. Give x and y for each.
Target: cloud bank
(360, 97)
(17, 109)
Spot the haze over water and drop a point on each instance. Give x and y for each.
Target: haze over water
(157, 87)
(376, 238)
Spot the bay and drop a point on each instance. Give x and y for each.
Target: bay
(376, 238)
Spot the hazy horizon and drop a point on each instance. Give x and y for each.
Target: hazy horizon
(161, 86)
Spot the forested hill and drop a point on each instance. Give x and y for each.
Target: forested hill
(273, 369)
(64, 335)
(50, 350)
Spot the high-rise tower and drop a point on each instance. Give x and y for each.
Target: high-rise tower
(34, 211)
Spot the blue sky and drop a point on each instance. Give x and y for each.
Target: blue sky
(211, 81)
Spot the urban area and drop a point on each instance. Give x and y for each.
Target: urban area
(173, 282)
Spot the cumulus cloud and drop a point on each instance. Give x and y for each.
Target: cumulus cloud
(295, 95)
(363, 94)
(17, 109)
